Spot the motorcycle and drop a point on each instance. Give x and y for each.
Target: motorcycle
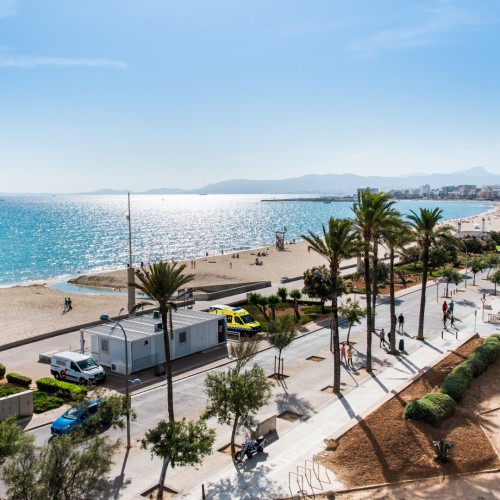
(250, 447)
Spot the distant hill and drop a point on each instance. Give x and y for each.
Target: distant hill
(331, 183)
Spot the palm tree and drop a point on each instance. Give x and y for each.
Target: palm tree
(427, 234)
(396, 236)
(159, 282)
(372, 211)
(337, 244)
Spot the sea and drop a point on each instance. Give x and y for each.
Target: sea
(56, 237)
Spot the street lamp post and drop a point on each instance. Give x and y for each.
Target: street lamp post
(466, 263)
(105, 317)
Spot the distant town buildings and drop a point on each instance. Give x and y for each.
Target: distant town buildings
(460, 192)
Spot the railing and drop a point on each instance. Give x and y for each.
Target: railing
(493, 318)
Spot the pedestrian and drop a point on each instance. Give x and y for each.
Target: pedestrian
(401, 321)
(70, 305)
(389, 338)
(65, 305)
(452, 322)
(382, 337)
(444, 320)
(451, 307)
(445, 306)
(349, 357)
(230, 265)
(342, 353)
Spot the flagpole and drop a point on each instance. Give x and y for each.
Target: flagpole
(130, 268)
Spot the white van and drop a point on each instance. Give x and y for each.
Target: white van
(76, 367)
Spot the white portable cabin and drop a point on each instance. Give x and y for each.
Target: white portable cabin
(194, 331)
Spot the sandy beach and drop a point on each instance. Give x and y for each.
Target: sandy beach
(28, 311)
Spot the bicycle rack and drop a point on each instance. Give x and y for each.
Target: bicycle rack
(300, 485)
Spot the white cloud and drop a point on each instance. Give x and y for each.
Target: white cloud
(438, 20)
(30, 62)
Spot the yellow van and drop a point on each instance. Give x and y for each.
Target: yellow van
(238, 319)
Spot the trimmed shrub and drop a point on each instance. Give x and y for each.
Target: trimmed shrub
(477, 364)
(60, 388)
(489, 351)
(18, 379)
(431, 408)
(2, 370)
(8, 389)
(494, 336)
(457, 381)
(43, 402)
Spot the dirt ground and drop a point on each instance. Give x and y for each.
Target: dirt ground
(385, 448)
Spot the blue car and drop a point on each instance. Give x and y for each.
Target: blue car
(74, 417)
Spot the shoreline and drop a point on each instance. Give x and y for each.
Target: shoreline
(110, 280)
(27, 311)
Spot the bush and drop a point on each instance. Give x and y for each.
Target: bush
(477, 364)
(60, 388)
(489, 351)
(458, 381)
(432, 408)
(8, 389)
(16, 378)
(2, 370)
(494, 336)
(43, 402)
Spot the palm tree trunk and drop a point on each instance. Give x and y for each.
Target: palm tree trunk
(375, 280)
(392, 302)
(168, 364)
(369, 319)
(163, 475)
(425, 260)
(335, 334)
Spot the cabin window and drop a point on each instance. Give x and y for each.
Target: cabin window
(105, 345)
(238, 320)
(182, 338)
(229, 319)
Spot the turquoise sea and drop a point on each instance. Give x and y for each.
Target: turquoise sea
(48, 237)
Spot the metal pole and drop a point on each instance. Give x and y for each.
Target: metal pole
(130, 270)
(105, 317)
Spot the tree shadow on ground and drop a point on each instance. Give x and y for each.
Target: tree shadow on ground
(250, 483)
(295, 404)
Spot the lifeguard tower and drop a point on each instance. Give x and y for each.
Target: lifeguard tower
(280, 240)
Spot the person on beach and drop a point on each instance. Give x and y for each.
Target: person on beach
(70, 305)
(230, 265)
(349, 357)
(65, 305)
(401, 323)
(343, 354)
(382, 337)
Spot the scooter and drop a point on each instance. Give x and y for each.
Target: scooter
(250, 447)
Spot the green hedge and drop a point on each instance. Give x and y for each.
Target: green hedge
(18, 379)
(432, 408)
(43, 402)
(2, 370)
(8, 389)
(63, 389)
(477, 364)
(457, 381)
(489, 351)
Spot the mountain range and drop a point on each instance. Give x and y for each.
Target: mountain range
(331, 183)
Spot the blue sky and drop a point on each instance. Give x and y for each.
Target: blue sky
(157, 93)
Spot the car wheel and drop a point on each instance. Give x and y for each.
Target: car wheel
(57, 376)
(82, 381)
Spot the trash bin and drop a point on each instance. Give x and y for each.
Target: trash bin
(401, 344)
(160, 369)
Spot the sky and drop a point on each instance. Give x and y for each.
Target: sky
(145, 94)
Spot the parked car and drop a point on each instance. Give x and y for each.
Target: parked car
(78, 416)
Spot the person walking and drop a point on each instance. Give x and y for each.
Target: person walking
(451, 307)
(452, 322)
(444, 321)
(445, 307)
(349, 357)
(401, 323)
(70, 305)
(343, 354)
(65, 305)
(382, 337)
